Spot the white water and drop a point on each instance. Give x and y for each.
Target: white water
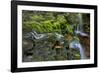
(37, 36)
(40, 36)
(80, 26)
(81, 33)
(58, 36)
(78, 46)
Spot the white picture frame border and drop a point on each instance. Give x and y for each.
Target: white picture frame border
(53, 63)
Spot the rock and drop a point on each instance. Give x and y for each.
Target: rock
(85, 41)
(27, 44)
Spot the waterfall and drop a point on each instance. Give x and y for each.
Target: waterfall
(80, 26)
(79, 31)
(76, 45)
(81, 49)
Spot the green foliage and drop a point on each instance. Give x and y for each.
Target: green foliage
(69, 29)
(61, 19)
(51, 22)
(44, 22)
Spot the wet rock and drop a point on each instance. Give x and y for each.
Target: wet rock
(85, 41)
